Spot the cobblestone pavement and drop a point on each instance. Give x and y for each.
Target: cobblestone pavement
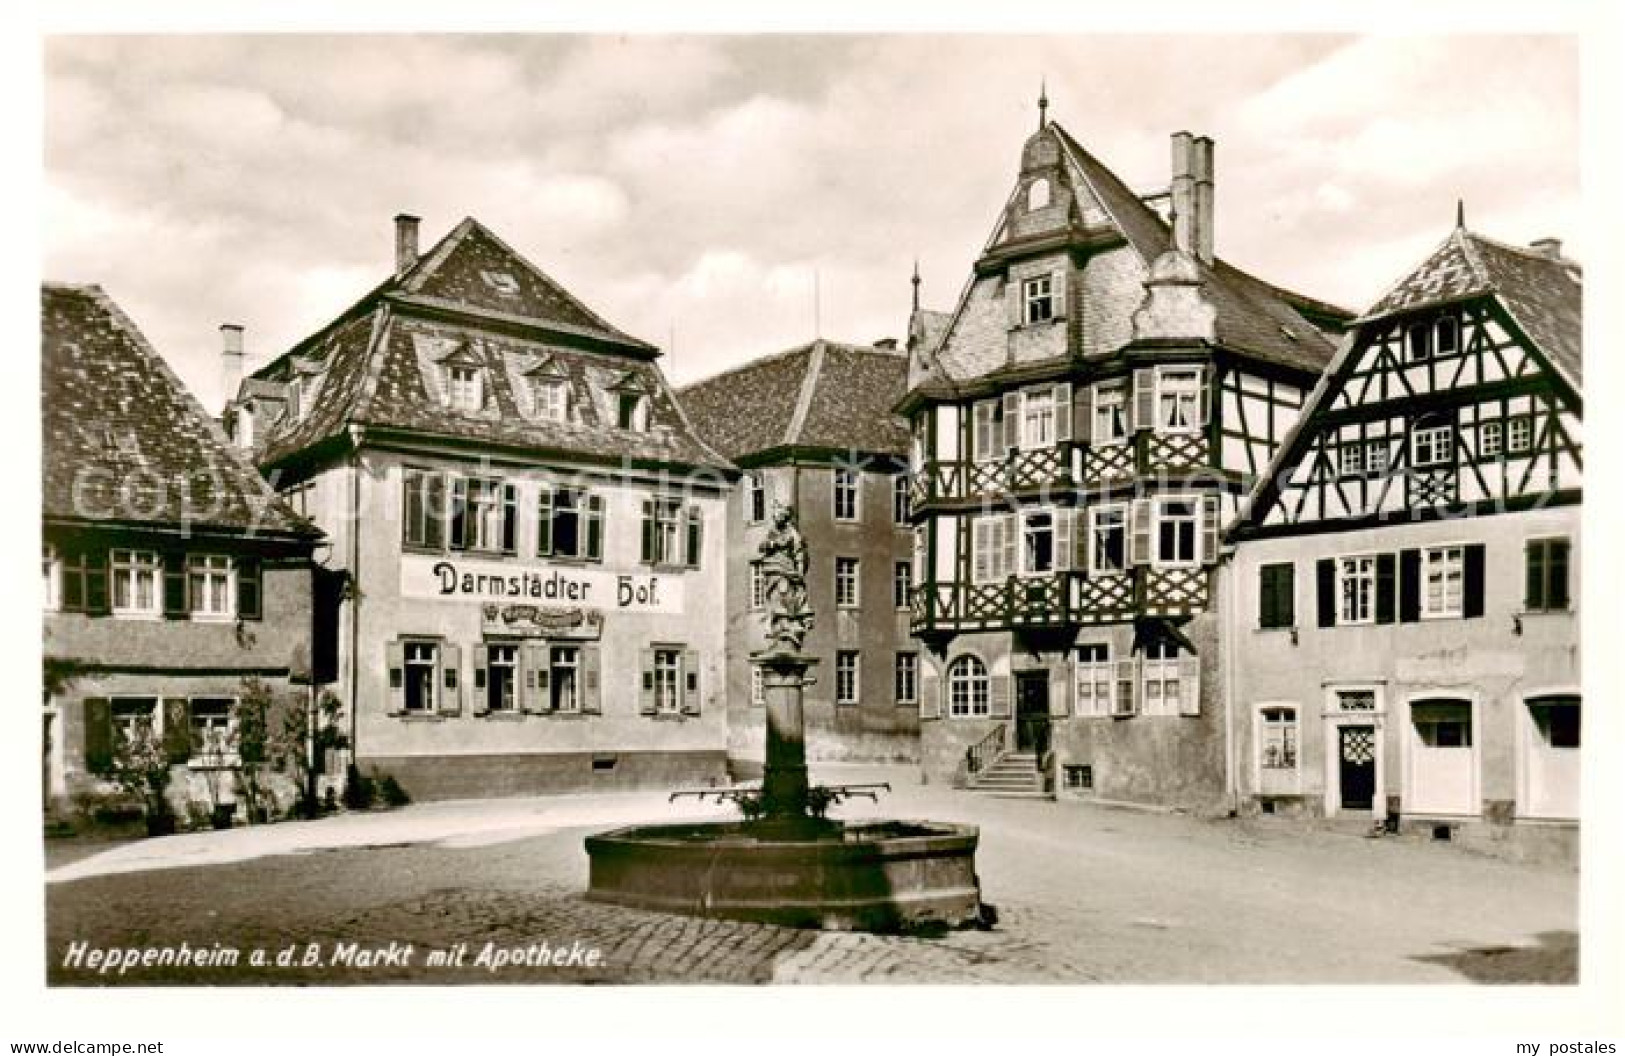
(1083, 893)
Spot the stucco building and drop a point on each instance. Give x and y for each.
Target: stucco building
(1086, 423)
(1408, 628)
(813, 430)
(171, 572)
(533, 533)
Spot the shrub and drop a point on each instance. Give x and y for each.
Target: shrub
(391, 792)
(359, 789)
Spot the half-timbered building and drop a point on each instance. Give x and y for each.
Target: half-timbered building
(1407, 571)
(1083, 427)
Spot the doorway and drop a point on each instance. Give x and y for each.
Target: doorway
(1356, 766)
(1032, 711)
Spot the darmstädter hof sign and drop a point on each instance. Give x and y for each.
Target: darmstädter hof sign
(424, 576)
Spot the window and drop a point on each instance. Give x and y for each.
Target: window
(1442, 579)
(550, 399)
(569, 523)
(501, 678)
(846, 494)
(993, 549)
(758, 586)
(1356, 700)
(846, 582)
(502, 282)
(1489, 440)
(564, 678)
(758, 688)
(135, 583)
(1376, 457)
(1037, 194)
(1547, 580)
(1357, 589)
(1159, 678)
(1038, 418)
(987, 433)
(902, 584)
(52, 569)
(1419, 342)
(1446, 337)
(668, 666)
(210, 586)
(1178, 397)
(1111, 422)
(1108, 547)
(1351, 462)
(422, 662)
(632, 411)
(906, 679)
(1037, 542)
(1520, 433)
(1557, 720)
(1177, 521)
(1443, 723)
(135, 720)
(213, 738)
(1038, 300)
(1275, 596)
(899, 498)
(423, 506)
(673, 534)
(755, 498)
(1278, 739)
(846, 676)
(1431, 445)
(463, 388)
(1092, 680)
(968, 688)
(1078, 777)
(485, 510)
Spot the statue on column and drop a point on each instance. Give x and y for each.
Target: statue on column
(782, 558)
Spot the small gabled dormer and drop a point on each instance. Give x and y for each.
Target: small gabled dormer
(547, 395)
(463, 384)
(630, 398)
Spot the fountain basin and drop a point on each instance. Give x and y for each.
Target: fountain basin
(881, 876)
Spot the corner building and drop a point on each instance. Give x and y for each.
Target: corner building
(1083, 427)
(532, 534)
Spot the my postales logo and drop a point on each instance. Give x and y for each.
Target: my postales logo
(483, 581)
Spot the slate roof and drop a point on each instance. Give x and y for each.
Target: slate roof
(380, 360)
(825, 394)
(1543, 293)
(125, 442)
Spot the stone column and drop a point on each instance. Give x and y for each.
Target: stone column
(784, 777)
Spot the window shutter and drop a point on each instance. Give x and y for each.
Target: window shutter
(1083, 414)
(510, 519)
(451, 691)
(177, 729)
(1139, 536)
(1063, 412)
(175, 600)
(1190, 685)
(1286, 601)
(982, 434)
(982, 541)
(395, 662)
(648, 532)
(1210, 529)
(412, 497)
(998, 696)
(1385, 588)
(694, 535)
(73, 580)
(1145, 398)
(482, 677)
(98, 735)
(930, 696)
(1535, 575)
(1126, 688)
(1204, 398)
(1326, 592)
(1472, 581)
(691, 682)
(1066, 521)
(434, 531)
(1060, 690)
(591, 681)
(1557, 574)
(1012, 420)
(646, 683)
(1010, 527)
(544, 521)
(459, 513)
(1410, 586)
(595, 527)
(1269, 612)
(534, 696)
(250, 595)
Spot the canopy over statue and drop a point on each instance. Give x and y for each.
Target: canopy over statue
(782, 558)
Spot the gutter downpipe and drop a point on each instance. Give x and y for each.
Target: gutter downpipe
(355, 592)
(1229, 650)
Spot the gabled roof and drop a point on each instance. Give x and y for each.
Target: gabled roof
(826, 395)
(125, 443)
(1541, 292)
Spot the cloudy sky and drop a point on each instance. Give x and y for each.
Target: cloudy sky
(689, 188)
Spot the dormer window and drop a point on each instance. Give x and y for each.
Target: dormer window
(632, 411)
(1038, 194)
(463, 387)
(550, 399)
(1038, 300)
(501, 282)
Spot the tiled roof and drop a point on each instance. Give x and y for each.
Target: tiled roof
(124, 442)
(825, 395)
(380, 364)
(1543, 293)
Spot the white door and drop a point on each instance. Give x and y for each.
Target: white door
(1552, 760)
(1443, 759)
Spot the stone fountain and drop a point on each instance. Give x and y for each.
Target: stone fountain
(786, 863)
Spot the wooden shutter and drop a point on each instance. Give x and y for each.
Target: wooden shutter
(690, 688)
(459, 513)
(694, 535)
(1286, 594)
(412, 512)
(930, 695)
(535, 694)
(1083, 414)
(1535, 575)
(1410, 586)
(1557, 574)
(451, 689)
(72, 564)
(1326, 592)
(1385, 588)
(98, 715)
(1190, 685)
(648, 531)
(482, 680)
(510, 519)
(395, 663)
(250, 592)
(982, 431)
(177, 721)
(1012, 420)
(1066, 531)
(176, 605)
(998, 696)
(982, 539)
(1472, 581)
(1009, 544)
(1063, 412)
(646, 682)
(544, 521)
(1145, 398)
(97, 601)
(1125, 686)
(595, 527)
(1060, 690)
(591, 681)
(434, 528)
(1210, 529)
(1139, 536)
(1269, 614)
(1204, 398)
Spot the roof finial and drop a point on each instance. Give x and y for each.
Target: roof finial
(1043, 103)
(916, 281)
(1461, 215)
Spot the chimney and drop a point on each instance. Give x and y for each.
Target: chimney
(1202, 218)
(406, 243)
(1183, 191)
(231, 359)
(1548, 247)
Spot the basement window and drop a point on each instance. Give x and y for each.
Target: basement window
(1078, 777)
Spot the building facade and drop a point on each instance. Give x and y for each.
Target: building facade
(1408, 573)
(812, 429)
(1084, 426)
(173, 576)
(532, 533)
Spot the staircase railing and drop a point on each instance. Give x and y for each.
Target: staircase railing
(987, 750)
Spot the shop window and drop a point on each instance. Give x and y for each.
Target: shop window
(1443, 723)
